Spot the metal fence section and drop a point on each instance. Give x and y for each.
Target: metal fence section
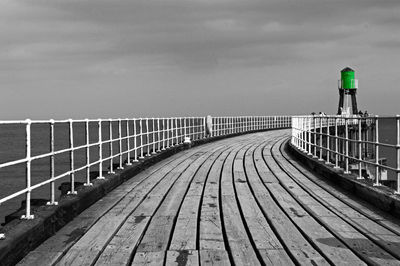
(353, 144)
(119, 143)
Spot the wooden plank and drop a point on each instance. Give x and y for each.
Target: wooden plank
(340, 229)
(239, 243)
(88, 248)
(54, 247)
(159, 224)
(210, 221)
(360, 206)
(185, 233)
(148, 258)
(293, 240)
(385, 238)
(159, 231)
(214, 258)
(182, 257)
(118, 251)
(266, 242)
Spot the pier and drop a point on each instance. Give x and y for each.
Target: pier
(242, 200)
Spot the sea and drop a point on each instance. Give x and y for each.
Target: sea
(12, 147)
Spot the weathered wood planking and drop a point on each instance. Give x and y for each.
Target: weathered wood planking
(211, 237)
(146, 209)
(238, 240)
(355, 208)
(295, 243)
(171, 215)
(370, 253)
(88, 248)
(266, 242)
(53, 248)
(159, 231)
(182, 257)
(382, 236)
(185, 233)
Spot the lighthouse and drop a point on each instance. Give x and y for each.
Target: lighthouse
(348, 86)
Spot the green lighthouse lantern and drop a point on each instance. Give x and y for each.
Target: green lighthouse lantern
(348, 81)
(348, 86)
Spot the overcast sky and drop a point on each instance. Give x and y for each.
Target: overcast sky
(96, 58)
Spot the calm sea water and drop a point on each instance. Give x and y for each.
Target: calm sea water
(12, 147)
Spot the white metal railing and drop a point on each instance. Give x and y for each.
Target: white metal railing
(128, 141)
(347, 142)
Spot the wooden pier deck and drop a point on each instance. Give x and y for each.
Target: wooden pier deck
(241, 201)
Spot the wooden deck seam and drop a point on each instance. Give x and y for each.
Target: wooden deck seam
(323, 223)
(133, 251)
(348, 200)
(350, 221)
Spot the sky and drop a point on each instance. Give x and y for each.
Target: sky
(158, 58)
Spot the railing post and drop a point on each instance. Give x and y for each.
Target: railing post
(120, 144)
(111, 147)
(377, 183)
(336, 144)
(52, 172)
(346, 160)
(164, 137)
(135, 147)
(176, 132)
(398, 154)
(158, 136)
(328, 144)
(141, 138)
(309, 119)
(359, 149)
(28, 215)
(320, 139)
(88, 183)
(100, 151)
(71, 158)
(154, 135)
(315, 137)
(168, 133)
(128, 142)
(147, 138)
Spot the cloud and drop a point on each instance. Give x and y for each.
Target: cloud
(70, 42)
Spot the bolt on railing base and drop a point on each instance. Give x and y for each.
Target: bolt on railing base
(360, 178)
(320, 159)
(27, 217)
(72, 192)
(346, 172)
(100, 177)
(120, 167)
(397, 193)
(377, 185)
(49, 203)
(2, 236)
(110, 172)
(88, 184)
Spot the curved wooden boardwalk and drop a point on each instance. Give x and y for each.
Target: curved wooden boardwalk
(239, 201)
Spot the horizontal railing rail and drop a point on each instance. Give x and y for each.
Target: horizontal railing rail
(120, 141)
(352, 141)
